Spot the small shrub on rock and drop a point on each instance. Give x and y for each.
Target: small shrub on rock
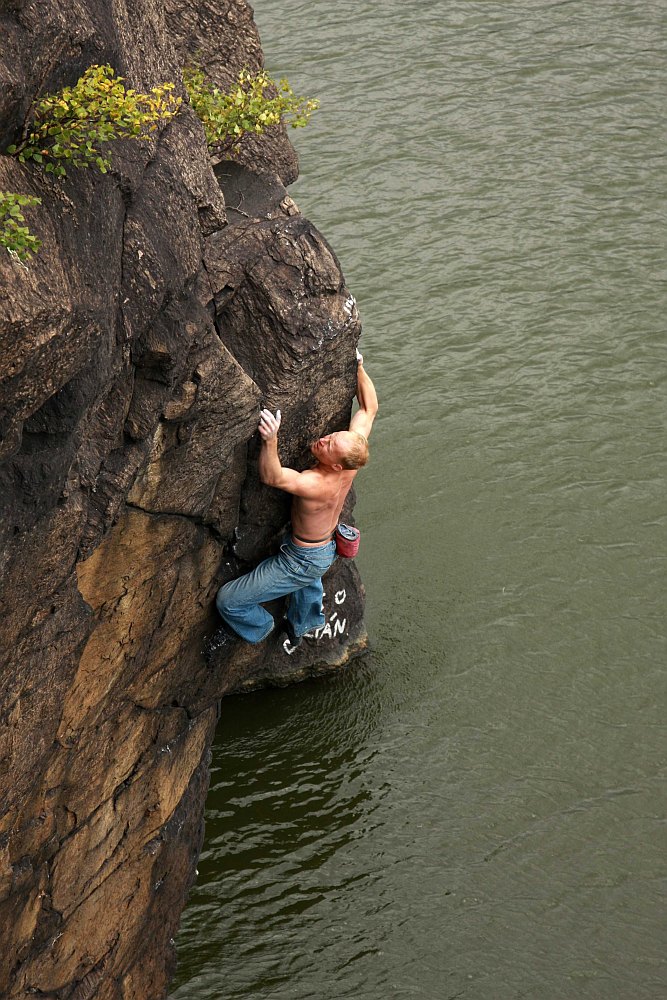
(15, 237)
(69, 127)
(253, 104)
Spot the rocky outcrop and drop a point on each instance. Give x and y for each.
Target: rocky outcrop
(168, 302)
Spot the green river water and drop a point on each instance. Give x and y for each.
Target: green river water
(477, 808)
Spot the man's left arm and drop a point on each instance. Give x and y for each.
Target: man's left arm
(362, 421)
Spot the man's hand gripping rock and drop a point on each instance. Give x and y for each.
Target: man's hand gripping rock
(269, 425)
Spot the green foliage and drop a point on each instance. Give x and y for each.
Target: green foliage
(71, 125)
(254, 103)
(16, 238)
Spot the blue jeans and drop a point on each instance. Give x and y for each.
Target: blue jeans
(295, 570)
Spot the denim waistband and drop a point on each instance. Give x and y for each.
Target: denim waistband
(313, 541)
(309, 548)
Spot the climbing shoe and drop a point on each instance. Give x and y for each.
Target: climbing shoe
(287, 629)
(222, 639)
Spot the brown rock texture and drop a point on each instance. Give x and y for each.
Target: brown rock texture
(169, 301)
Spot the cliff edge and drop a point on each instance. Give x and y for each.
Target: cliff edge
(169, 300)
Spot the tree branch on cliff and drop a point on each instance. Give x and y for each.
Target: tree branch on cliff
(73, 123)
(254, 103)
(70, 126)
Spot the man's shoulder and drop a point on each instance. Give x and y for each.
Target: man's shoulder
(326, 483)
(328, 480)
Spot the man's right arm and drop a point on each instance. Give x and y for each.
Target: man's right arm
(273, 473)
(363, 419)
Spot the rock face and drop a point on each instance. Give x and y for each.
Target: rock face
(168, 302)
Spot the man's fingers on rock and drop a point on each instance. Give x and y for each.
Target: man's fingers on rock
(268, 424)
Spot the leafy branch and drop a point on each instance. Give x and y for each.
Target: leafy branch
(16, 238)
(253, 104)
(71, 125)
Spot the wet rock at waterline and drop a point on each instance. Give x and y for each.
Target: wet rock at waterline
(168, 302)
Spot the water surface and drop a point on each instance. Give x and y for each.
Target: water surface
(478, 809)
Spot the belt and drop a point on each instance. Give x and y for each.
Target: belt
(313, 541)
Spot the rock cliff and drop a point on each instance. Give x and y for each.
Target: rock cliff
(169, 300)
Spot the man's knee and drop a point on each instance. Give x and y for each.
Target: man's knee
(224, 600)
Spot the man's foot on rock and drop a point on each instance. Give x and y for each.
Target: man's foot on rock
(223, 639)
(288, 636)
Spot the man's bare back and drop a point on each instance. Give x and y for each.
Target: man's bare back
(315, 519)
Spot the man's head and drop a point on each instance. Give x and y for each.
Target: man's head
(341, 450)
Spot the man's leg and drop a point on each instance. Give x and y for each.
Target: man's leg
(239, 601)
(305, 608)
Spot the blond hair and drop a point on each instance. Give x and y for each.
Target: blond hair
(357, 453)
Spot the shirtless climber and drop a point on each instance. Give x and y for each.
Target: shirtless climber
(319, 494)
